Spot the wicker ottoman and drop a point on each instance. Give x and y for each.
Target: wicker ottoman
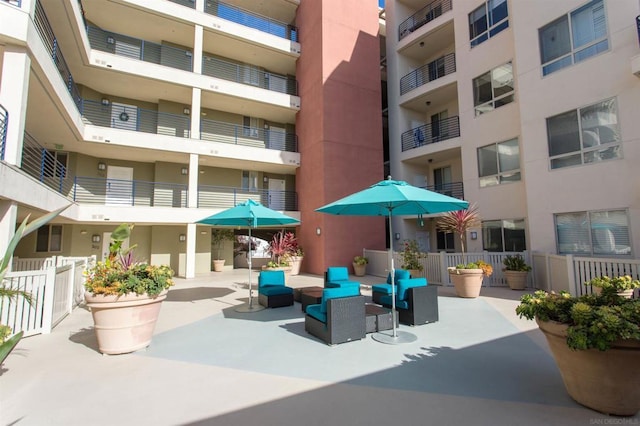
(378, 318)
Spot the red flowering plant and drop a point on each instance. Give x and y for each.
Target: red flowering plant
(283, 246)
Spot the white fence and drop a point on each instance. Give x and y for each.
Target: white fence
(55, 292)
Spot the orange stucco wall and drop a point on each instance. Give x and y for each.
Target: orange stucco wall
(339, 127)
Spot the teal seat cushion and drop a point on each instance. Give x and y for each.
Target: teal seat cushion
(274, 290)
(314, 311)
(343, 284)
(404, 285)
(337, 292)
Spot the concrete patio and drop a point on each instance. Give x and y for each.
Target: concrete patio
(209, 365)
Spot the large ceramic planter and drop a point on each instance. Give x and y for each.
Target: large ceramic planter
(359, 270)
(415, 273)
(296, 262)
(467, 282)
(125, 323)
(606, 381)
(218, 265)
(517, 280)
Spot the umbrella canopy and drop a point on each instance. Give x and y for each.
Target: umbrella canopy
(393, 198)
(249, 214)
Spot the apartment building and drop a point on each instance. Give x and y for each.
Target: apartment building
(528, 109)
(162, 112)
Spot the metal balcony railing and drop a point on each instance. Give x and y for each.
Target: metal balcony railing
(247, 74)
(235, 134)
(187, 3)
(251, 19)
(128, 117)
(14, 2)
(422, 17)
(143, 50)
(638, 27)
(118, 192)
(224, 197)
(4, 125)
(51, 43)
(42, 164)
(431, 133)
(434, 70)
(453, 189)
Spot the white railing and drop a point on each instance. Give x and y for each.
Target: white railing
(434, 265)
(55, 292)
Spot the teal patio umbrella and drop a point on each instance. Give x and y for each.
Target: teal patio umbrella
(393, 198)
(249, 214)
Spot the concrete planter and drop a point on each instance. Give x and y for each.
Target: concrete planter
(517, 280)
(467, 282)
(605, 381)
(218, 265)
(125, 323)
(359, 270)
(296, 262)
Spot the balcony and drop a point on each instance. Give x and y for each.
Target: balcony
(117, 192)
(246, 74)
(250, 19)
(452, 189)
(439, 131)
(224, 197)
(142, 50)
(216, 131)
(434, 70)
(4, 124)
(422, 17)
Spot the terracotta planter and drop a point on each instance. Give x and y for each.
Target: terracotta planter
(359, 270)
(517, 280)
(605, 381)
(467, 282)
(296, 262)
(124, 324)
(218, 265)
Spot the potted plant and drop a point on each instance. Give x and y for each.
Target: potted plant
(296, 259)
(466, 277)
(515, 271)
(9, 340)
(623, 286)
(360, 265)
(595, 341)
(218, 237)
(411, 258)
(124, 297)
(283, 245)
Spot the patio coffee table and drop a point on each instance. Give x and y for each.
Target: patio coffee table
(297, 292)
(378, 318)
(310, 297)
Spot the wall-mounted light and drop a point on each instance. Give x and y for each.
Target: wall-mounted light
(95, 238)
(105, 102)
(186, 111)
(318, 231)
(203, 232)
(83, 232)
(102, 166)
(474, 235)
(184, 171)
(265, 179)
(182, 238)
(397, 235)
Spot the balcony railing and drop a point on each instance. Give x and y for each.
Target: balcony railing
(4, 125)
(431, 133)
(246, 74)
(42, 164)
(143, 50)
(127, 117)
(638, 27)
(51, 43)
(118, 192)
(434, 70)
(225, 197)
(187, 3)
(216, 131)
(453, 189)
(422, 17)
(251, 19)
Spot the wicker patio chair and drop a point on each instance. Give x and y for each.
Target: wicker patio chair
(416, 302)
(272, 293)
(339, 318)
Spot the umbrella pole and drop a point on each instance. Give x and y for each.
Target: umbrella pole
(397, 336)
(249, 307)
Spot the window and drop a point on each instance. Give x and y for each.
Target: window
(499, 163)
(593, 233)
(54, 163)
(250, 180)
(573, 37)
(487, 21)
(503, 235)
(250, 128)
(49, 238)
(445, 241)
(493, 89)
(586, 135)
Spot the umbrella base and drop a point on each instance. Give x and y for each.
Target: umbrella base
(389, 339)
(246, 308)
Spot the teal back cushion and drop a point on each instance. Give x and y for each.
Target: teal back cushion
(337, 273)
(271, 278)
(401, 274)
(336, 292)
(404, 285)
